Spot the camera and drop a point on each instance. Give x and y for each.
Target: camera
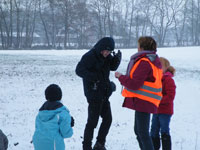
(114, 53)
(118, 55)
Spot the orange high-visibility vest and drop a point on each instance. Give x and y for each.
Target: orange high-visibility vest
(150, 91)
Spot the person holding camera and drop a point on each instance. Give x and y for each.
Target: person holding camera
(94, 68)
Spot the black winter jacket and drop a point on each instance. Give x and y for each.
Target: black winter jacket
(95, 69)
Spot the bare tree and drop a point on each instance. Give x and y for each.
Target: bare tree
(1, 30)
(17, 6)
(179, 18)
(192, 21)
(11, 24)
(82, 22)
(53, 23)
(124, 24)
(197, 22)
(44, 23)
(96, 6)
(131, 21)
(82, 25)
(4, 25)
(66, 7)
(109, 9)
(30, 15)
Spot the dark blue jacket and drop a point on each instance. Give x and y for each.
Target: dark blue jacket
(95, 69)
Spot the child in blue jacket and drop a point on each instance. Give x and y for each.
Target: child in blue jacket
(53, 122)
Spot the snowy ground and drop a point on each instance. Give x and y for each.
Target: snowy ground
(25, 74)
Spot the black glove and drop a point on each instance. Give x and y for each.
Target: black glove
(119, 55)
(72, 121)
(113, 86)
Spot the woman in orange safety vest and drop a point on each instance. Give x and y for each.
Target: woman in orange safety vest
(143, 88)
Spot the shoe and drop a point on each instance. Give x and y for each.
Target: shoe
(99, 146)
(156, 142)
(87, 146)
(166, 142)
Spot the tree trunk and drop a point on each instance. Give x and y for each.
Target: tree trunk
(131, 23)
(11, 24)
(2, 36)
(4, 23)
(17, 44)
(32, 31)
(66, 23)
(44, 24)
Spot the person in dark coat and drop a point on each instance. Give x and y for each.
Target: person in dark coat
(3, 141)
(144, 69)
(94, 68)
(161, 120)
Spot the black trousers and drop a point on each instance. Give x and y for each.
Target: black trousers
(141, 128)
(97, 109)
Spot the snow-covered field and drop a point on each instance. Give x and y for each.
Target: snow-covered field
(24, 75)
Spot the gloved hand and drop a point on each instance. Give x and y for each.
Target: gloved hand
(72, 121)
(113, 86)
(119, 55)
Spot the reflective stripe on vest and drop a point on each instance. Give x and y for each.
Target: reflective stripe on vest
(150, 91)
(145, 94)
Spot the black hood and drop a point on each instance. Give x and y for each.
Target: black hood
(106, 43)
(51, 105)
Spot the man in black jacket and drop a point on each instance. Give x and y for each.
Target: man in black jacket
(94, 68)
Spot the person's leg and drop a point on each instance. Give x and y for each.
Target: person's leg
(136, 130)
(143, 121)
(6, 142)
(155, 129)
(106, 122)
(3, 141)
(164, 123)
(165, 131)
(155, 126)
(92, 121)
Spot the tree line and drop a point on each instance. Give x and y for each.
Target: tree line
(67, 24)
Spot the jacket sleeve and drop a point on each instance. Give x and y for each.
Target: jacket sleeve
(65, 125)
(84, 67)
(169, 92)
(114, 63)
(142, 72)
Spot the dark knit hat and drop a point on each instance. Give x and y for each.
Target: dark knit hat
(106, 43)
(53, 93)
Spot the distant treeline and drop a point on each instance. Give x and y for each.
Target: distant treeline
(66, 24)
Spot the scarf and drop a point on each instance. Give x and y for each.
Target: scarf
(134, 58)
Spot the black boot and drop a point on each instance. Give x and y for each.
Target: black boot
(166, 142)
(87, 146)
(99, 146)
(156, 142)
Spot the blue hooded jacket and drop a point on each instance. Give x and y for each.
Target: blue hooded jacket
(53, 124)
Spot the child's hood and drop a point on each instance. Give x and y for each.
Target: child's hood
(168, 74)
(50, 109)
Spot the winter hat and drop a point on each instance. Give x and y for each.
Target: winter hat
(106, 43)
(53, 93)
